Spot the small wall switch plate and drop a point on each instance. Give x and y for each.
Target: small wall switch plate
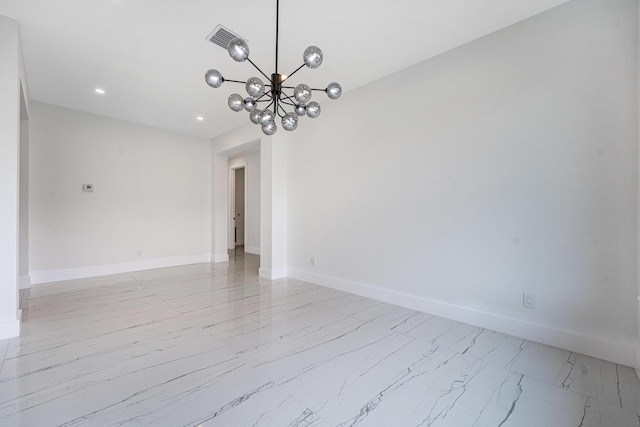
(139, 253)
(312, 261)
(529, 300)
(87, 188)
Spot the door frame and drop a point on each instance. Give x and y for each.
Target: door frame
(231, 243)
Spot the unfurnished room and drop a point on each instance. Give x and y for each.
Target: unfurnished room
(320, 213)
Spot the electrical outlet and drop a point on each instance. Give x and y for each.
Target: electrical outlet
(312, 261)
(529, 300)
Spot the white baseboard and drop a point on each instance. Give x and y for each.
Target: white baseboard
(221, 257)
(252, 250)
(278, 273)
(25, 282)
(11, 328)
(40, 277)
(602, 348)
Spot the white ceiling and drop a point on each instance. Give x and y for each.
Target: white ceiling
(150, 56)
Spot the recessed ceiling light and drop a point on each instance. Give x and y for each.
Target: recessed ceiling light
(199, 118)
(99, 91)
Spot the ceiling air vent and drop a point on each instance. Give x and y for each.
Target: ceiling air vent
(222, 36)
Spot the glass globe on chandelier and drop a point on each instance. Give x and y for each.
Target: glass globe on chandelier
(274, 95)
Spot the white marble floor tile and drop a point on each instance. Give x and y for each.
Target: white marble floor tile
(215, 345)
(523, 401)
(175, 379)
(606, 415)
(441, 388)
(224, 395)
(387, 315)
(357, 383)
(52, 366)
(541, 361)
(63, 334)
(492, 347)
(327, 351)
(346, 304)
(438, 330)
(253, 329)
(612, 384)
(4, 345)
(295, 342)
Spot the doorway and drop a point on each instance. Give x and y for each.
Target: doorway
(243, 220)
(263, 236)
(239, 208)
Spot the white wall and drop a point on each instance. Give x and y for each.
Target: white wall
(23, 269)
(251, 161)
(275, 180)
(10, 57)
(505, 166)
(151, 203)
(637, 353)
(23, 245)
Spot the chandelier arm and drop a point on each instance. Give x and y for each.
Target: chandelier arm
(233, 81)
(291, 87)
(280, 108)
(289, 103)
(258, 68)
(283, 95)
(297, 69)
(291, 100)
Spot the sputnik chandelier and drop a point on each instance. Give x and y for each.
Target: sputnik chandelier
(274, 94)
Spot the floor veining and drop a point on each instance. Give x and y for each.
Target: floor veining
(215, 345)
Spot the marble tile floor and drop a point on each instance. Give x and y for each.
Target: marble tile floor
(214, 345)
